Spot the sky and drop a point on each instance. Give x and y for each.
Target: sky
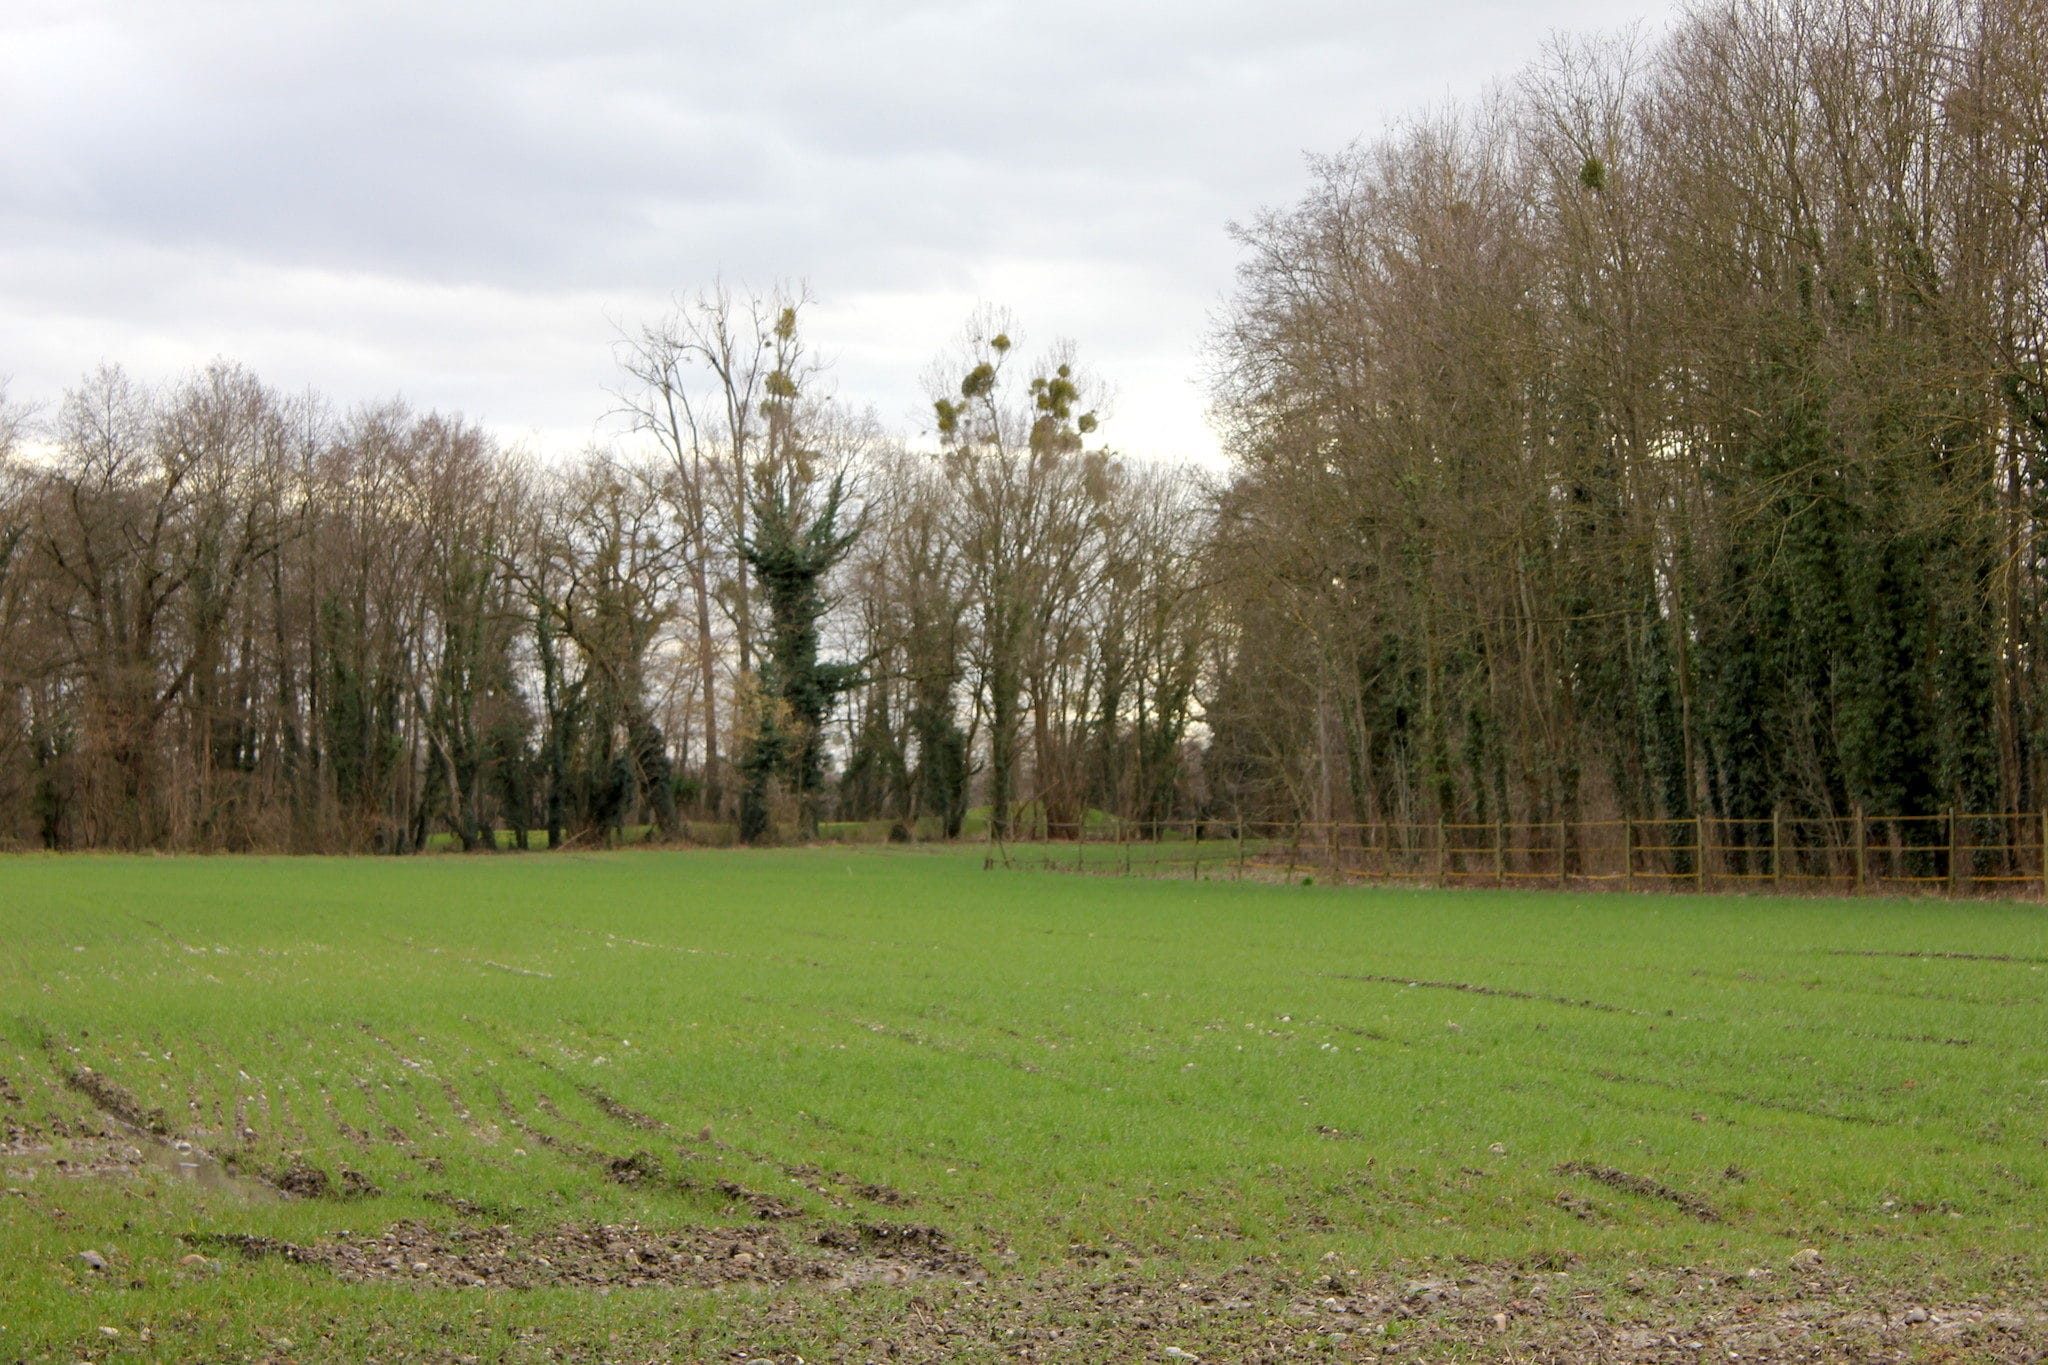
(464, 204)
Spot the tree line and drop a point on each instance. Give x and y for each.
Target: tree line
(232, 618)
(1660, 436)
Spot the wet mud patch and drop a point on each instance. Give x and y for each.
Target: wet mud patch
(125, 1138)
(627, 1255)
(113, 1150)
(1643, 1185)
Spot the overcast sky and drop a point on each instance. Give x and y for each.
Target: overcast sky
(460, 203)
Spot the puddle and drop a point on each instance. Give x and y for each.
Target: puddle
(186, 1162)
(183, 1161)
(133, 1137)
(123, 1149)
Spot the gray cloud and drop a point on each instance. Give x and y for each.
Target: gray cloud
(455, 201)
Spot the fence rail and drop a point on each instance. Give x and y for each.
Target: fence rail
(1957, 853)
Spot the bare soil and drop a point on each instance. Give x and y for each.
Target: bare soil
(1643, 1185)
(625, 1255)
(1493, 1314)
(1099, 1308)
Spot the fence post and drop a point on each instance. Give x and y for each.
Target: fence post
(1958, 878)
(1952, 870)
(1862, 849)
(1777, 843)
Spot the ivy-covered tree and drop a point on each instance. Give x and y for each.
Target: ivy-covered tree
(795, 541)
(794, 545)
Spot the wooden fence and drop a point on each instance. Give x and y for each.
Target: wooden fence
(1955, 853)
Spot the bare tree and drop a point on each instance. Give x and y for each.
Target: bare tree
(697, 381)
(1025, 486)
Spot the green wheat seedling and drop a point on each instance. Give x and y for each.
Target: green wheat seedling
(1063, 1076)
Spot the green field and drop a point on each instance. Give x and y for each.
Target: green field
(871, 1104)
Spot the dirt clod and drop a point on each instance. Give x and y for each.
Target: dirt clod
(302, 1179)
(618, 1255)
(622, 1112)
(1643, 1185)
(765, 1206)
(1523, 1311)
(637, 1169)
(114, 1098)
(884, 1194)
(468, 1208)
(914, 1244)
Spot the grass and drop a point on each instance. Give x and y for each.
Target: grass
(1072, 1078)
